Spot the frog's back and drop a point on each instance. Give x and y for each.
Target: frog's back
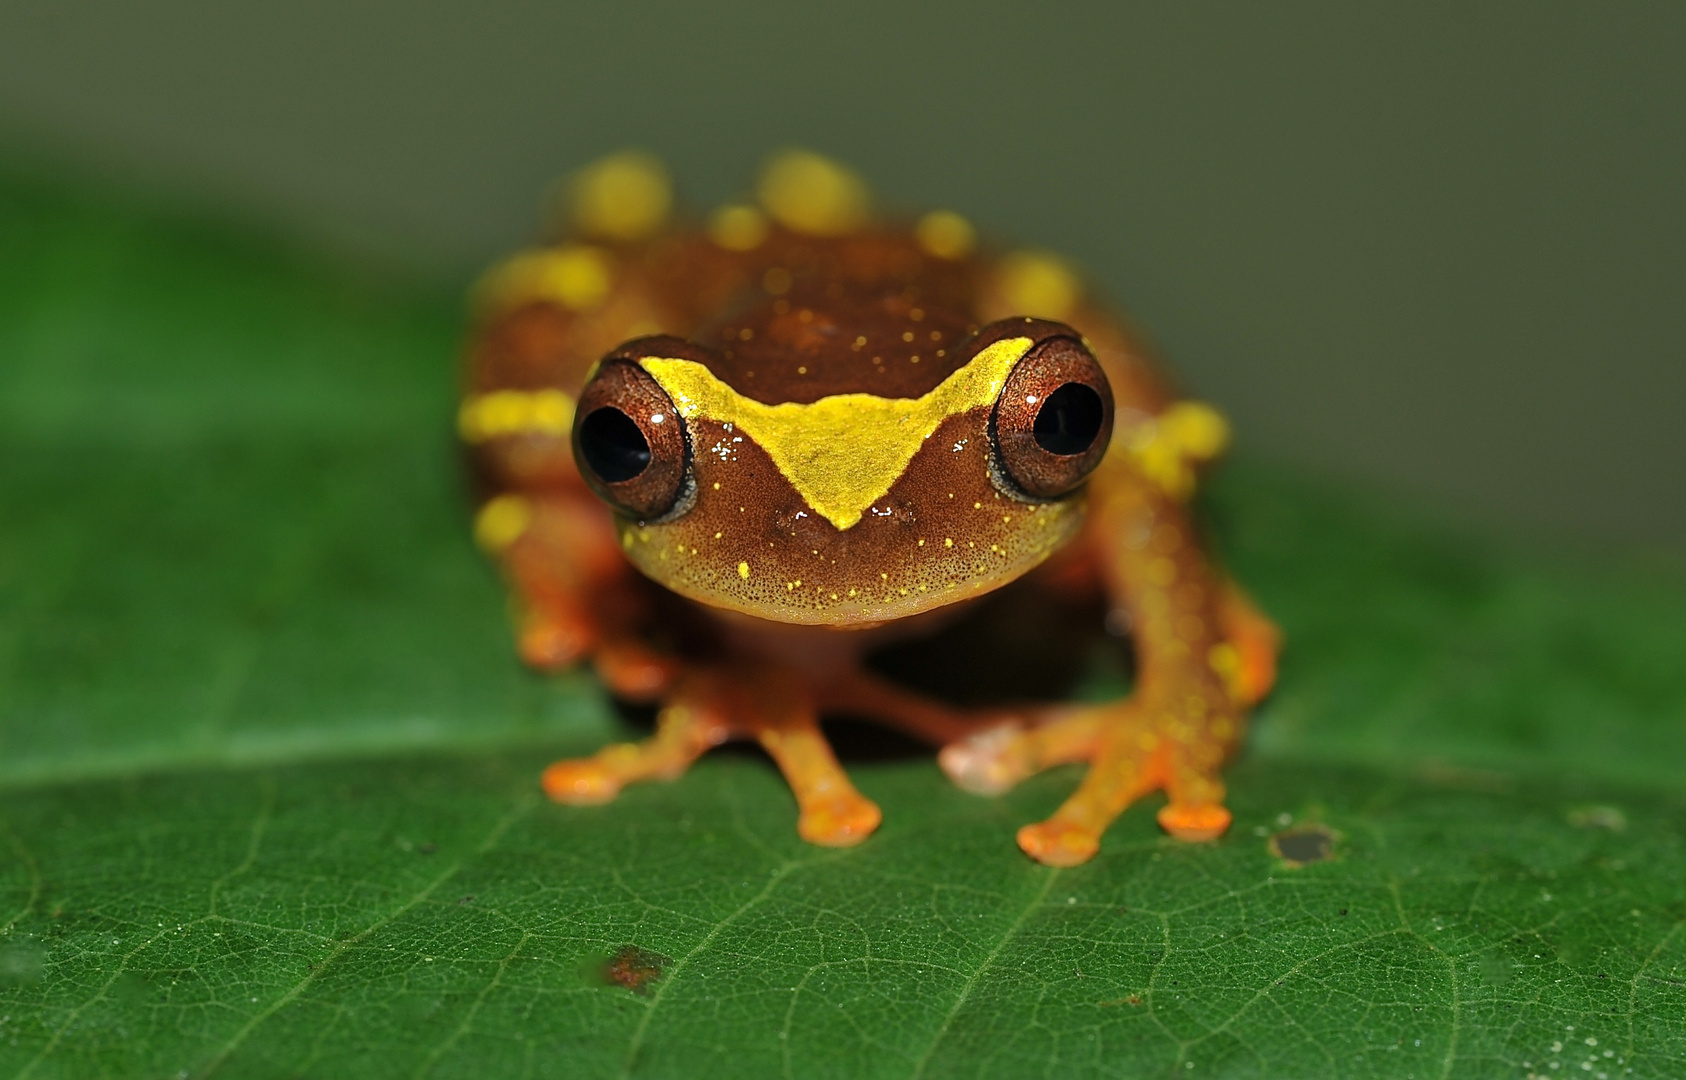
(804, 297)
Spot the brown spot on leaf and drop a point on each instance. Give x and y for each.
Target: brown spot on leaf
(635, 968)
(1303, 844)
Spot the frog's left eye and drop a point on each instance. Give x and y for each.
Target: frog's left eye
(630, 442)
(1053, 420)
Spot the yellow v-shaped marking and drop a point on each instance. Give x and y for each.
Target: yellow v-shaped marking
(841, 452)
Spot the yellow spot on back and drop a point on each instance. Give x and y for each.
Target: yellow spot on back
(576, 277)
(842, 452)
(807, 193)
(743, 570)
(1038, 284)
(1168, 447)
(737, 228)
(622, 197)
(501, 522)
(945, 234)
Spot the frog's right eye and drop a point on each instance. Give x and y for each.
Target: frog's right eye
(630, 442)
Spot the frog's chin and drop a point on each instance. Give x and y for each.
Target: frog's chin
(849, 616)
(808, 588)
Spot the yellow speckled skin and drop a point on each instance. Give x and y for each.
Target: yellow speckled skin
(840, 477)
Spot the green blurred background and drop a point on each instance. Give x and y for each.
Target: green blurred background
(1437, 247)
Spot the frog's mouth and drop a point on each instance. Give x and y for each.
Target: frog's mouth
(844, 452)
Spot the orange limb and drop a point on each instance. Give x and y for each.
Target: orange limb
(633, 671)
(993, 760)
(574, 594)
(685, 729)
(558, 551)
(1204, 653)
(861, 693)
(1256, 641)
(707, 706)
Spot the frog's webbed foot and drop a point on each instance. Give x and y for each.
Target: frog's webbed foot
(1138, 749)
(707, 707)
(1133, 747)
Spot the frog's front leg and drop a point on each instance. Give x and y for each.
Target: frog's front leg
(575, 595)
(1204, 654)
(709, 705)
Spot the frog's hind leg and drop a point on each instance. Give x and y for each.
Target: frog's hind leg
(558, 551)
(707, 707)
(860, 693)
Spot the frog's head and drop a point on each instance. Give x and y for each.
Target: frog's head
(806, 473)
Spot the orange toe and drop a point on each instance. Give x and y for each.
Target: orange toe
(841, 822)
(988, 762)
(1059, 843)
(1194, 823)
(580, 782)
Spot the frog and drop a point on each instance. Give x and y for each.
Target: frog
(720, 460)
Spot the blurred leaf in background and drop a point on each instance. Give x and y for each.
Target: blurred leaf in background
(269, 766)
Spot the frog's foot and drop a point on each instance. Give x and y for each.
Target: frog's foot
(1139, 750)
(684, 731)
(709, 706)
(993, 760)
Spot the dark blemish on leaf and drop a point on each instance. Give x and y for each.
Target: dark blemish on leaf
(428, 848)
(1303, 845)
(466, 900)
(1343, 911)
(635, 968)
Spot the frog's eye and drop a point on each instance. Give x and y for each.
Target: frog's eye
(629, 441)
(1053, 419)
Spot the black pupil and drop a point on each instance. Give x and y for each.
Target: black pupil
(613, 446)
(1069, 420)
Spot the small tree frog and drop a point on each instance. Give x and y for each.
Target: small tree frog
(721, 461)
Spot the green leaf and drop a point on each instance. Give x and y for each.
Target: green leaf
(269, 767)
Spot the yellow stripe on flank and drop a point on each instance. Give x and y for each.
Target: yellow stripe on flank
(515, 412)
(843, 452)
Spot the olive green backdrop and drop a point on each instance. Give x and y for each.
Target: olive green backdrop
(1435, 245)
